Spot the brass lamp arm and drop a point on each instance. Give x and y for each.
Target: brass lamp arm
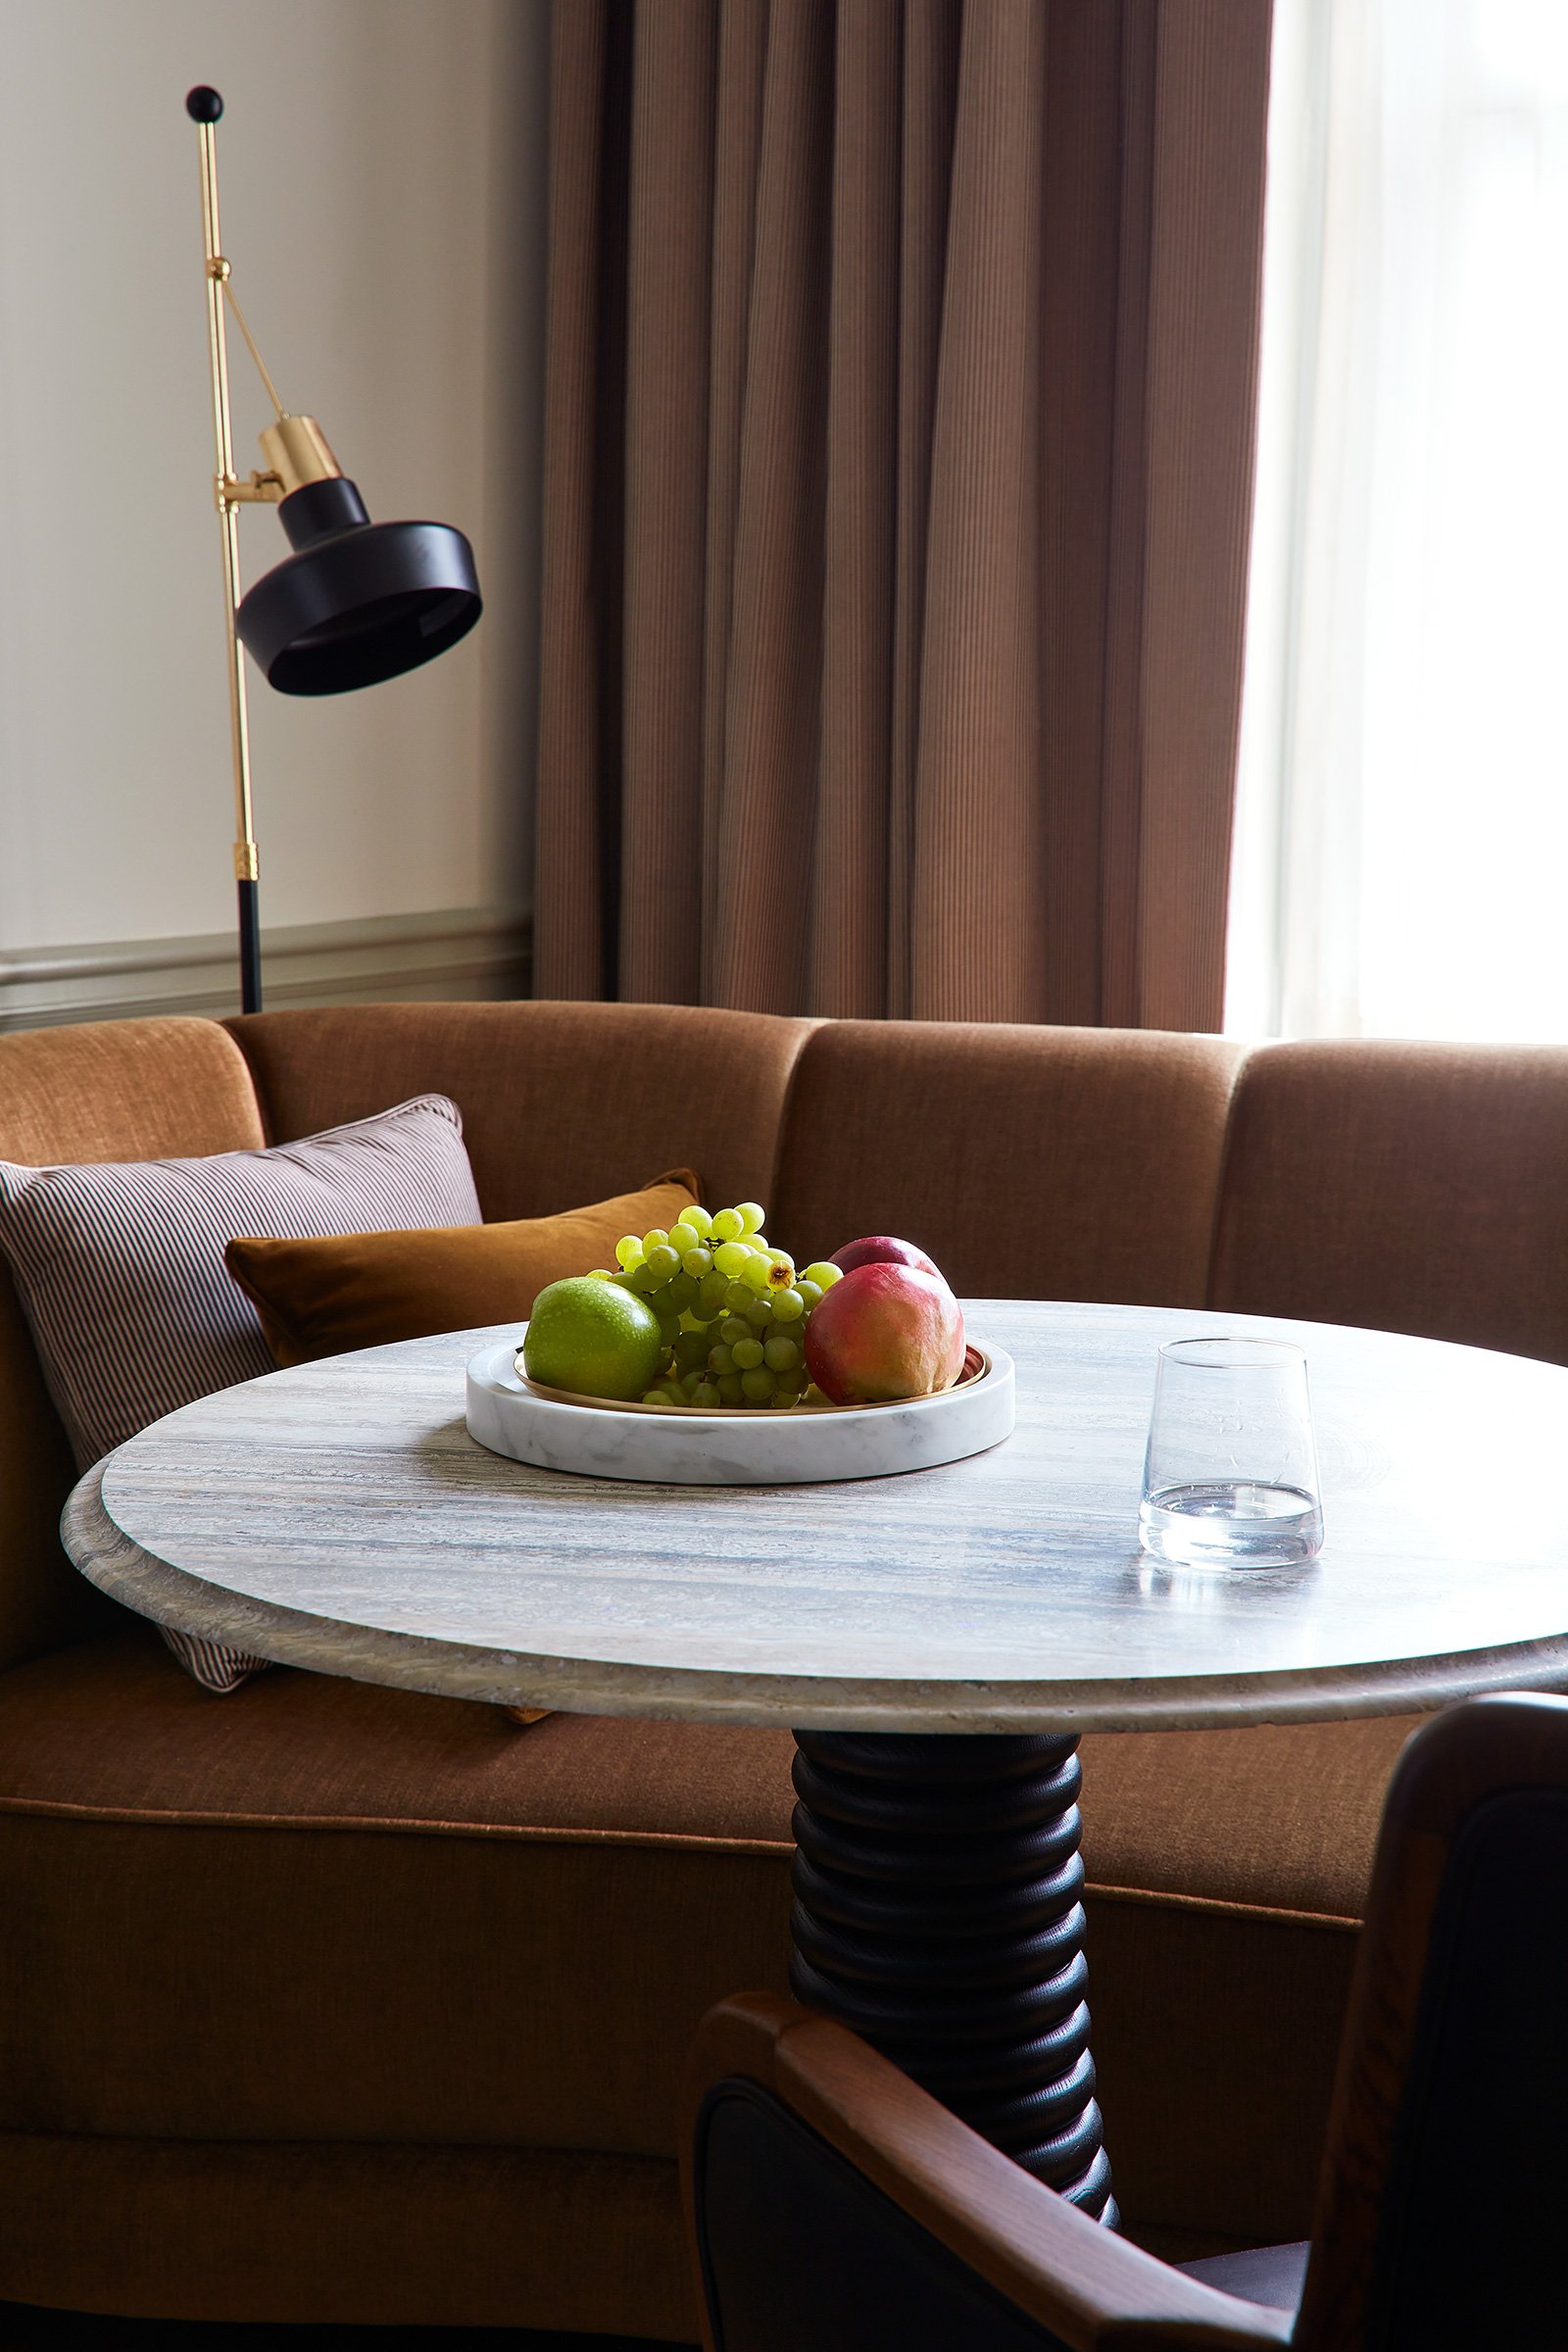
(296, 445)
(222, 271)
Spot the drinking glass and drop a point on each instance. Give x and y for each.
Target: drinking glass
(1230, 1477)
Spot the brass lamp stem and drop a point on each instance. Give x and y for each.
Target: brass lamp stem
(247, 859)
(297, 456)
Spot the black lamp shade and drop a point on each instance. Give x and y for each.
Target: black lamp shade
(358, 601)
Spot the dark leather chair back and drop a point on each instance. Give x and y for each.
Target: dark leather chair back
(1446, 2181)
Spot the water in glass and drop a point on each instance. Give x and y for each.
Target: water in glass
(1239, 1522)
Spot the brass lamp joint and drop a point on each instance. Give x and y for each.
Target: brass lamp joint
(247, 861)
(262, 489)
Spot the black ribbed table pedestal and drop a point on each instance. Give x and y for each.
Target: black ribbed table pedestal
(937, 1912)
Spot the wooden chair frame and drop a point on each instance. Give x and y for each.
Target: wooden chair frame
(1090, 2289)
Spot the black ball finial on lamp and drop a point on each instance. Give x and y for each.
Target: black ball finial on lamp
(356, 601)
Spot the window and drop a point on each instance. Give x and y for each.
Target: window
(1402, 851)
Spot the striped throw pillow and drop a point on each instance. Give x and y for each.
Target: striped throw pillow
(120, 1268)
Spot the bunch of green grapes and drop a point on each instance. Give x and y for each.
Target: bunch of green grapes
(732, 1309)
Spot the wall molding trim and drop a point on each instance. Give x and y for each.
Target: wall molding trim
(460, 952)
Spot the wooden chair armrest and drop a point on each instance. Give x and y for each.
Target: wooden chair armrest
(1094, 2289)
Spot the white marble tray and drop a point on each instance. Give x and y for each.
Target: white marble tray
(736, 1448)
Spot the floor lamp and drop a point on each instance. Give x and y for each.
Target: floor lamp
(356, 601)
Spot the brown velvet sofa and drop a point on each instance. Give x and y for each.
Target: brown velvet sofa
(330, 2002)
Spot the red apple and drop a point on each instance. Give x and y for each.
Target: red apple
(881, 1248)
(885, 1331)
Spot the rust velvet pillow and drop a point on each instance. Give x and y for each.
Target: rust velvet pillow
(359, 1290)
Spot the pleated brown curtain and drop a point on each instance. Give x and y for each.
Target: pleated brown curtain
(900, 405)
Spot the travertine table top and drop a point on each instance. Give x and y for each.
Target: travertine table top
(339, 1516)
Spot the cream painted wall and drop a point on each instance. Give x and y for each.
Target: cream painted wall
(381, 170)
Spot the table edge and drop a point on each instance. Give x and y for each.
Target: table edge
(155, 1589)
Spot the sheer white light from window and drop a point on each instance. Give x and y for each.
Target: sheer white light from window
(1402, 817)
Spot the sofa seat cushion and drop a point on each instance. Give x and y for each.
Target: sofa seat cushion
(326, 1910)
(1279, 1817)
(329, 1911)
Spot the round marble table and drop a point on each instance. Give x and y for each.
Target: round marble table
(340, 1517)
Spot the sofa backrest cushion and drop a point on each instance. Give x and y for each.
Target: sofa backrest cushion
(1410, 1187)
(561, 1103)
(1029, 1163)
(117, 1090)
